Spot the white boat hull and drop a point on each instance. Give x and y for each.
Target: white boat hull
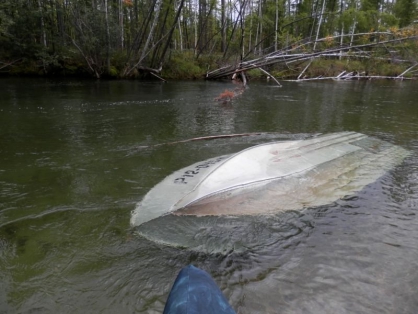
(272, 177)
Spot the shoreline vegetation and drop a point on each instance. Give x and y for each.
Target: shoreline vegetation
(210, 39)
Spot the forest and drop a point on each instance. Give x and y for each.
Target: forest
(212, 38)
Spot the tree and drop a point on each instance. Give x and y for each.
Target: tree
(405, 11)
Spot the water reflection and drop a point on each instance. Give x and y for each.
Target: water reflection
(71, 172)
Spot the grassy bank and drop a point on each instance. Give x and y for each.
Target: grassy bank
(185, 66)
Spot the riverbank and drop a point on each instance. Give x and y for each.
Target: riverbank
(185, 66)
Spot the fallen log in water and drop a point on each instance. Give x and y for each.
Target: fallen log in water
(159, 77)
(293, 54)
(153, 72)
(270, 76)
(350, 77)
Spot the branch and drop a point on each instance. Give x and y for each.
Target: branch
(269, 75)
(85, 57)
(407, 70)
(205, 138)
(159, 77)
(8, 64)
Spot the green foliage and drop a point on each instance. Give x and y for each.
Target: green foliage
(48, 60)
(113, 72)
(386, 69)
(405, 11)
(184, 66)
(370, 5)
(5, 22)
(388, 21)
(208, 61)
(25, 67)
(78, 37)
(255, 74)
(367, 21)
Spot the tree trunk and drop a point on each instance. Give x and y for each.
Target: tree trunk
(260, 27)
(180, 31)
(276, 24)
(242, 21)
(122, 42)
(171, 31)
(319, 24)
(145, 51)
(60, 22)
(107, 38)
(223, 25)
(43, 32)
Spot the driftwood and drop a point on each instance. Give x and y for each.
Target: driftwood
(204, 138)
(5, 65)
(153, 72)
(350, 76)
(269, 75)
(147, 69)
(244, 79)
(304, 70)
(339, 75)
(293, 54)
(406, 71)
(159, 77)
(363, 76)
(218, 70)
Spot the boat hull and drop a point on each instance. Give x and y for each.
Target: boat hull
(272, 177)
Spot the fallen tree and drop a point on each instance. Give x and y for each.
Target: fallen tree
(7, 64)
(383, 48)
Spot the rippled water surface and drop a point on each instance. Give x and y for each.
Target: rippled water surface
(73, 166)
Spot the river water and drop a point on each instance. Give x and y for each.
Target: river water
(73, 167)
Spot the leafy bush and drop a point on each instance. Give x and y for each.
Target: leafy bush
(182, 65)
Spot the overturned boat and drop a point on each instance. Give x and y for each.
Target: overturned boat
(268, 178)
